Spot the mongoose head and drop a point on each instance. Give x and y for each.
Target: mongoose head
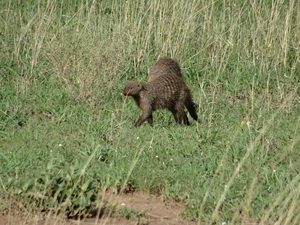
(132, 88)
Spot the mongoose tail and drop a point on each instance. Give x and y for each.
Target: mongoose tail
(190, 105)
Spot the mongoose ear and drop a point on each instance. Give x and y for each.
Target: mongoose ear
(139, 85)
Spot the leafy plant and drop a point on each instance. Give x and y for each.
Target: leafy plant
(66, 189)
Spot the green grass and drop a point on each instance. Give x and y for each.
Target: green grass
(66, 132)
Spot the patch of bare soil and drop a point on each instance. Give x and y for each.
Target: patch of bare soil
(154, 211)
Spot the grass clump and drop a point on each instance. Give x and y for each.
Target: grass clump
(130, 214)
(66, 132)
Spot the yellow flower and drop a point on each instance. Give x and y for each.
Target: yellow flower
(243, 122)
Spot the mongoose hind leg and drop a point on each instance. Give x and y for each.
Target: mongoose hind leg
(180, 113)
(180, 116)
(186, 120)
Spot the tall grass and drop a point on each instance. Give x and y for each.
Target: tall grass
(63, 66)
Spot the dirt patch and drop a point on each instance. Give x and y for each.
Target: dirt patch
(153, 210)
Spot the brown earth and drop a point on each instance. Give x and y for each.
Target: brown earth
(157, 211)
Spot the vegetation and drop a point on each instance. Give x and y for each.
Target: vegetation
(66, 132)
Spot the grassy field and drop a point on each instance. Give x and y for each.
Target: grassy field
(66, 132)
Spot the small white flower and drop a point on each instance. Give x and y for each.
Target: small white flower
(171, 159)
(156, 156)
(137, 138)
(59, 145)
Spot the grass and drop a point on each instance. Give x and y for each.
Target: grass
(66, 132)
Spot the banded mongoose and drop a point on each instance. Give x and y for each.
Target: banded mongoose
(164, 92)
(164, 66)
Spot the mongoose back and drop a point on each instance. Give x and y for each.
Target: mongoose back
(165, 92)
(164, 66)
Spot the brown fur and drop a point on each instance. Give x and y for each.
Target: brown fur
(164, 66)
(165, 92)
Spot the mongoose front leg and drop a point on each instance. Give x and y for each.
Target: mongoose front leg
(150, 120)
(146, 115)
(141, 120)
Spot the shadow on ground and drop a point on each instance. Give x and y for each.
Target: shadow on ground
(131, 208)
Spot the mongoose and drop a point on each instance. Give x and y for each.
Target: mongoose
(165, 92)
(164, 66)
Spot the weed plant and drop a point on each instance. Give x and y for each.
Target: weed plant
(66, 132)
